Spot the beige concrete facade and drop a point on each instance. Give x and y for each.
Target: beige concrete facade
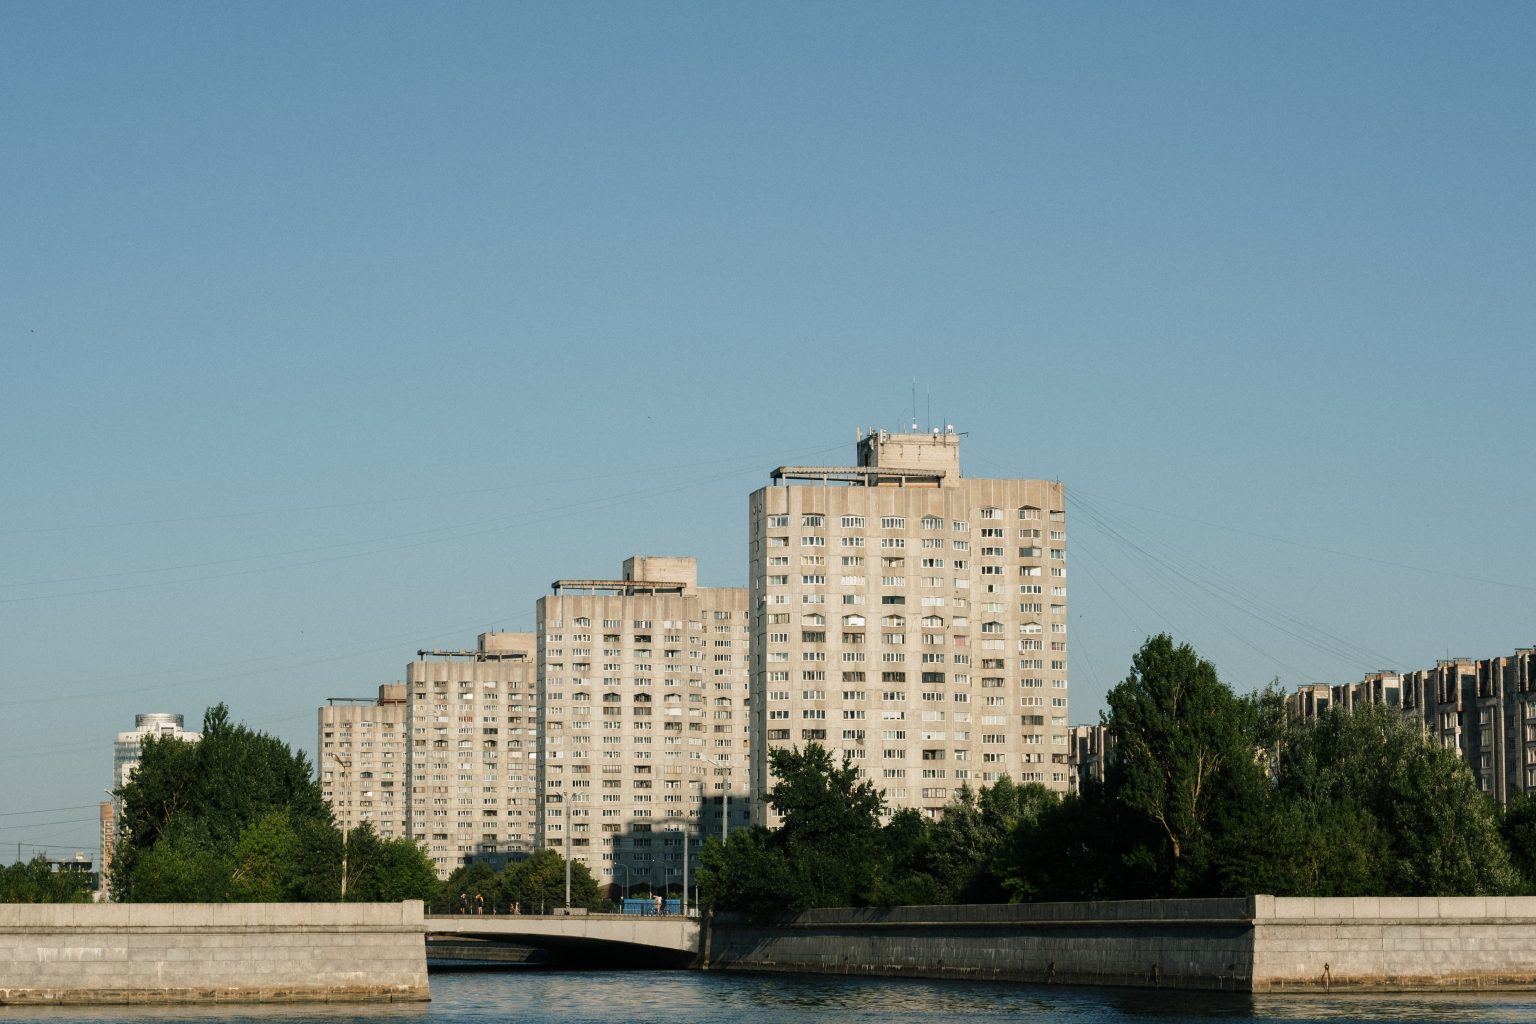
(1090, 748)
(912, 618)
(363, 760)
(643, 730)
(473, 734)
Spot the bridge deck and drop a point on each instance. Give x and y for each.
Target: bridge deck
(673, 934)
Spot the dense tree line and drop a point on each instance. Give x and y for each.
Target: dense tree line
(35, 881)
(239, 817)
(1208, 794)
(536, 885)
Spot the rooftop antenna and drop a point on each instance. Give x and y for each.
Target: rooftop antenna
(914, 405)
(930, 406)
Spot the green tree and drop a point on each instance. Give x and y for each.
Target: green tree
(749, 873)
(469, 879)
(538, 882)
(1517, 826)
(827, 852)
(1440, 835)
(35, 881)
(389, 870)
(1185, 757)
(1075, 848)
(831, 826)
(902, 875)
(235, 816)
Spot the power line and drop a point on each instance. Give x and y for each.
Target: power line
(47, 810)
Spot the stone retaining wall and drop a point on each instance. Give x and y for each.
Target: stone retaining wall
(1394, 943)
(200, 952)
(1258, 944)
(1172, 943)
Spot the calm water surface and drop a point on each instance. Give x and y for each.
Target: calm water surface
(679, 997)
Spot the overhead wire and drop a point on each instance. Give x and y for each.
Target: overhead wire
(1189, 577)
(432, 535)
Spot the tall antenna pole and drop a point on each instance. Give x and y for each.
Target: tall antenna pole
(914, 403)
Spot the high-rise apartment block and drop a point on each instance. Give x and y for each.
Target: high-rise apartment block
(642, 701)
(473, 734)
(364, 760)
(911, 618)
(1484, 709)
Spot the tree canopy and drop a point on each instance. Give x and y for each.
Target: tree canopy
(239, 817)
(537, 882)
(36, 881)
(1214, 794)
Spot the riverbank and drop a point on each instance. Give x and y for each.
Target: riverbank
(212, 953)
(1255, 945)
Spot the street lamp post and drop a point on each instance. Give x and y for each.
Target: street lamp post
(626, 877)
(344, 766)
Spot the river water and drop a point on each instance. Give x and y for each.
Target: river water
(522, 996)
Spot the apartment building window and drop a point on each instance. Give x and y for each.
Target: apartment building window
(893, 523)
(853, 522)
(778, 521)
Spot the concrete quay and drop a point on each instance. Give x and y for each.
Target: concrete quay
(202, 952)
(1257, 944)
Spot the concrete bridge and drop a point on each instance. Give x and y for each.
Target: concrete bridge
(586, 940)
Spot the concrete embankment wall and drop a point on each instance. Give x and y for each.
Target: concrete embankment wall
(1390, 944)
(1172, 943)
(201, 952)
(1258, 944)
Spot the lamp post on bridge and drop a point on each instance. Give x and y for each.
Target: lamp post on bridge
(626, 878)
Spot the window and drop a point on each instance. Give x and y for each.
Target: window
(811, 519)
(893, 523)
(853, 522)
(778, 521)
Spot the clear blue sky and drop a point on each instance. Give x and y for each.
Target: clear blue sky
(335, 331)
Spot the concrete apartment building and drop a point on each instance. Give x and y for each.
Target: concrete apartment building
(642, 703)
(473, 740)
(1484, 709)
(912, 618)
(1090, 749)
(363, 760)
(126, 752)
